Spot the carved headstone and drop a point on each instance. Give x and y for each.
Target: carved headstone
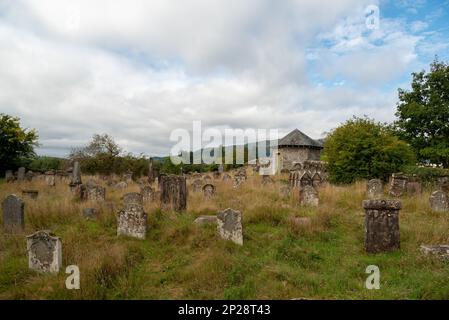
(208, 190)
(374, 189)
(381, 225)
(13, 214)
(398, 184)
(147, 193)
(439, 201)
(173, 193)
(21, 174)
(308, 196)
(32, 194)
(230, 225)
(76, 174)
(44, 252)
(95, 192)
(132, 220)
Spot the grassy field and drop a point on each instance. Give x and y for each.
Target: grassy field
(180, 260)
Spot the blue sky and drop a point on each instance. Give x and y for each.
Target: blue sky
(140, 69)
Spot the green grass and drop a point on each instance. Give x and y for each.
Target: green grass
(179, 260)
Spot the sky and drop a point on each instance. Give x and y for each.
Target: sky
(140, 69)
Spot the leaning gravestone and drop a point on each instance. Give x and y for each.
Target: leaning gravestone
(44, 252)
(13, 214)
(308, 196)
(132, 220)
(173, 193)
(439, 201)
(208, 190)
(381, 225)
(398, 184)
(374, 189)
(21, 174)
(230, 225)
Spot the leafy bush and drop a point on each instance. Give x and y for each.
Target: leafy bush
(364, 149)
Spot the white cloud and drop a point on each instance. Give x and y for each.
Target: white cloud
(139, 69)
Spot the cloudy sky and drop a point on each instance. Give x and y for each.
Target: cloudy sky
(138, 69)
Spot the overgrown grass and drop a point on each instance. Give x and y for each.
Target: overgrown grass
(180, 260)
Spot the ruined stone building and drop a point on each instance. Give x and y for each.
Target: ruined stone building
(296, 148)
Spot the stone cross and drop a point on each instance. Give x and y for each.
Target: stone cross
(439, 201)
(13, 214)
(44, 252)
(308, 196)
(381, 225)
(229, 225)
(132, 220)
(21, 174)
(173, 193)
(374, 189)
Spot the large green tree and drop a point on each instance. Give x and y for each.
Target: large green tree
(16, 143)
(423, 114)
(363, 149)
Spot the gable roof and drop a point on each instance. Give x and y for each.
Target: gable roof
(297, 138)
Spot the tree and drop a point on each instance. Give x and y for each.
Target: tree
(364, 149)
(423, 114)
(16, 143)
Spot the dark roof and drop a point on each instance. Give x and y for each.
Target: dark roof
(298, 139)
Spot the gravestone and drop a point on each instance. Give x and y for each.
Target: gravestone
(440, 251)
(381, 225)
(44, 252)
(13, 214)
(128, 177)
(204, 220)
(132, 220)
(147, 193)
(90, 213)
(32, 194)
(374, 189)
(29, 176)
(173, 193)
(230, 225)
(50, 178)
(226, 177)
(238, 181)
(216, 175)
(398, 184)
(413, 188)
(317, 180)
(9, 176)
(197, 185)
(208, 190)
(21, 174)
(207, 178)
(121, 185)
(76, 174)
(439, 201)
(95, 192)
(308, 196)
(267, 180)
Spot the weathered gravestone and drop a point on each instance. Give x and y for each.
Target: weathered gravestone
(147, 193)
(413, 188)
(128, 177)
(95, 192)
(32, 194)
(317, 181)
(173, 193)
(226, 177)
(208, 190)
(374, 189)
(13, 214)
(308, 196)
(230, 225)
(9, 176)
(207, 178)
(29, 176)
(132, 220)
(197, 185)
(21, 174)
(75, 181)
(121, 185)
(90, 213)
(440, 251)
(50, 178)
(398, 184)
(204, 220)
(381, 225)
(238, 181)
(44, 252)
(439, 201)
